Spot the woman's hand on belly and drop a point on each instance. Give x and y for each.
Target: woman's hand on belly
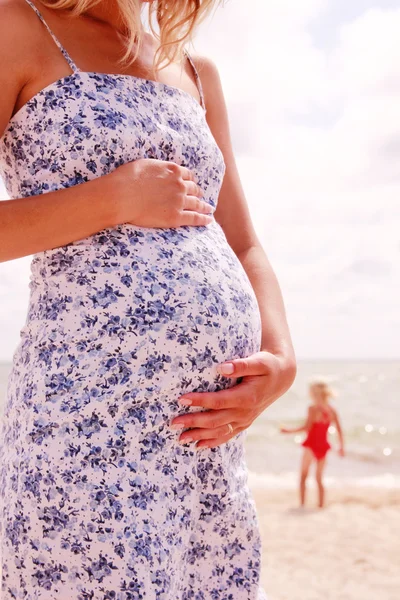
(158, 193)
(265, 377)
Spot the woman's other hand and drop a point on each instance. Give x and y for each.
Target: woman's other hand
(265, 377)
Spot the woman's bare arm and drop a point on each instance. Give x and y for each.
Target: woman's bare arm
(233, 215)
(29, 225)
(37, 223)
(14, 57)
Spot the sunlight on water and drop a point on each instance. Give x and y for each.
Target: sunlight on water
(367, 404)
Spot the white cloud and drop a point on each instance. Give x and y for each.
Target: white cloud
(367, 59)
(265, 55)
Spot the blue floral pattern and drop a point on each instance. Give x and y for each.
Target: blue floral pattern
(98, 499)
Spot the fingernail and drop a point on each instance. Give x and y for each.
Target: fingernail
(226, 369)
(185, 401)
(177, 426)
(185, 440)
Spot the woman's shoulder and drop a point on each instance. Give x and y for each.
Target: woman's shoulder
(17, 53)
(15, 14)
(18, 31)
(205, 66)
(211, 84)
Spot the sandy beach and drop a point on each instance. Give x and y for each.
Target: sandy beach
(348, 551)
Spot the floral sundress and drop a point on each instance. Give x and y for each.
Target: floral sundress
(99, 501)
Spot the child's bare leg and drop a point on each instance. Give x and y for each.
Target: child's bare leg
(318, 476)
(305, 467)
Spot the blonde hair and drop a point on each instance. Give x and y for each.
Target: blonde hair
(172, 22)
(323, 383)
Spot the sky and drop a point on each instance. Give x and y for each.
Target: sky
(312, 88)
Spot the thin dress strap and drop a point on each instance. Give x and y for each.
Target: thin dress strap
(197, 77)
(60, 46)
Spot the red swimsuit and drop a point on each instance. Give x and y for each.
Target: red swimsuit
(317, 437)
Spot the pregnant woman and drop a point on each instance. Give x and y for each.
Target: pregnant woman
(155, 333)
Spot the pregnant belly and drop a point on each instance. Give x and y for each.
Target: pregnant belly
(136, 313)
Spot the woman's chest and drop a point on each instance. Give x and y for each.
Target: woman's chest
(86, 125)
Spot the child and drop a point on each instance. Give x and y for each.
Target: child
(320, 416)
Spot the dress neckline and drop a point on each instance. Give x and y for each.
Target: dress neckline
(139, 80)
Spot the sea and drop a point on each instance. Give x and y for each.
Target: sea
(367, 399)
